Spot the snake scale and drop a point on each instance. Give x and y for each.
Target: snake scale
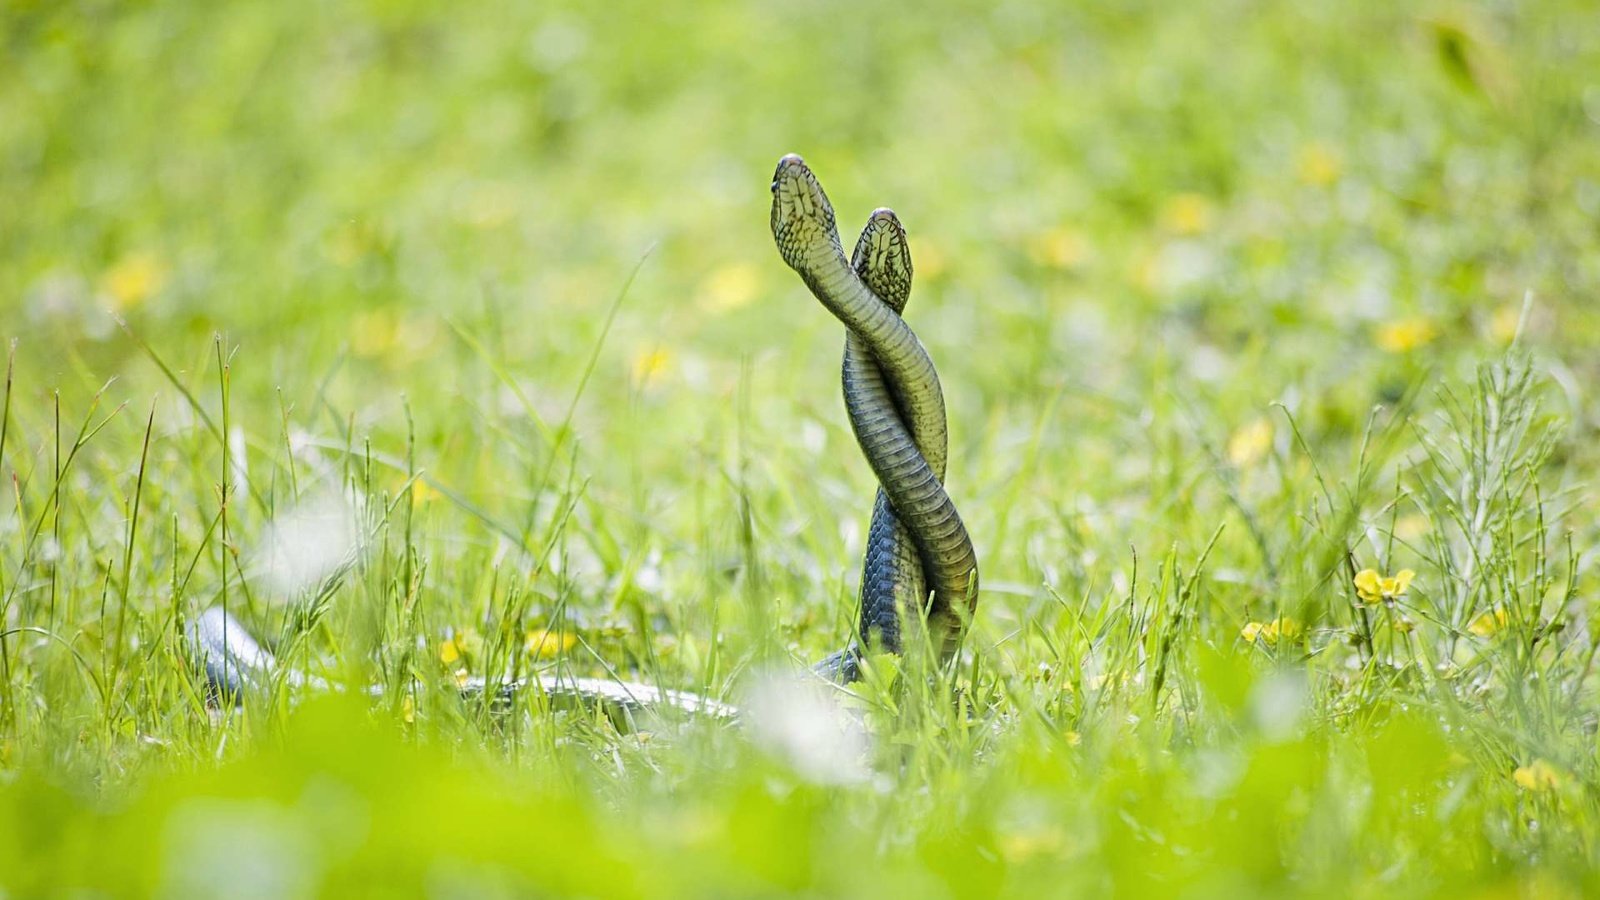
(920, 564)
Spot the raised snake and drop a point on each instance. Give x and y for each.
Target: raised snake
(920, 564)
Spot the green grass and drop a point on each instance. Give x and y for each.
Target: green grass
(431, 340)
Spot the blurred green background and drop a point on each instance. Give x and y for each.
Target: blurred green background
(1181, 266)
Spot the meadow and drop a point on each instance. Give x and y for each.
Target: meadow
(441, 341)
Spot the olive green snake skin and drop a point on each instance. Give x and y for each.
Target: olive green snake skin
(920, 565)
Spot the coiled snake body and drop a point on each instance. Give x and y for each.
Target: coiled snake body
(920, 564)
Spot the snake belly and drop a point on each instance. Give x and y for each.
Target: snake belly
(908, 455)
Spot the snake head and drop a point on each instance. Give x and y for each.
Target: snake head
(802, 217)
(883, 258)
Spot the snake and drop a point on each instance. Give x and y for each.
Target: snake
(920, 563)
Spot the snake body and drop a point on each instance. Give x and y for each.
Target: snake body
(916, 543)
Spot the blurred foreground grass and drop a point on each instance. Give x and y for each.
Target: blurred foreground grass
(1224, 300)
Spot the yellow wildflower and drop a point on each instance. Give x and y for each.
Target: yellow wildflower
(1146, 271)
(542, 643)
(1250, 443)
(1269, 633)
(372, 333)
(1536, 776)
(1186, 214)
(1490, 623)
(422, 493)
(450, 651)
(650, 365)
(133, 279)
(1024, 844)
(1373, 588)
(1504, 324)
(1404, 625)
(1405, 335)
(1059, 248)
(460, 646)
(1318, 164)
(930, 260)
(730, 287)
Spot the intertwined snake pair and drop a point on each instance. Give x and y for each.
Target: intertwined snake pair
(917, 542)
(920, 565)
